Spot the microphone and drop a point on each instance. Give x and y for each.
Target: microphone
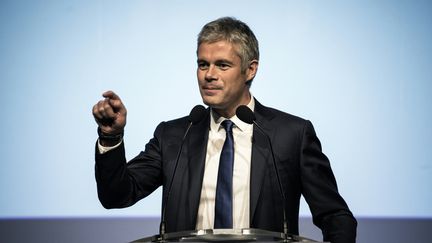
(196, 115)
(246, 115)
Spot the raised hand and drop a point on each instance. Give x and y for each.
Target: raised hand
(110, 114)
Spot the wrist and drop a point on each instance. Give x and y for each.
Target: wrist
(107, 139)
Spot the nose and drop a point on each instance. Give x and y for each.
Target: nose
(210, 74)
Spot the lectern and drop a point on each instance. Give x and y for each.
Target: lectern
(225, 235)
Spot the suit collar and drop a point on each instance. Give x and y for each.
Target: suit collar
(216, 119)
(263, 114)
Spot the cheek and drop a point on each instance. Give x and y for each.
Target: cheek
(200, 75)
(236, 82)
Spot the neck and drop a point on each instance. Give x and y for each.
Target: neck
(225, 113)
(231, 111)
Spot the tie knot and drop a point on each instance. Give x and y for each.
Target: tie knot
(227, 125)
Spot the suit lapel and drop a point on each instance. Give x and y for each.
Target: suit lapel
(197, 147)
(261, 155)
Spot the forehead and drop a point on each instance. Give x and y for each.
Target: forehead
(218, 49)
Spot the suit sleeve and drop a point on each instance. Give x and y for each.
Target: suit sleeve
(121, 184)
(329, 210)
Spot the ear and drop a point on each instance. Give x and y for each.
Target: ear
(251, 70)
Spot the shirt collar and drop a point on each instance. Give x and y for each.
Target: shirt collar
(216, 119)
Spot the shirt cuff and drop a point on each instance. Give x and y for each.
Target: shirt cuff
(104, 149)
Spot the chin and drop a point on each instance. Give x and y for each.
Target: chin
(211, 103)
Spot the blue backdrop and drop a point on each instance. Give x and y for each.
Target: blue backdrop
(360, 71)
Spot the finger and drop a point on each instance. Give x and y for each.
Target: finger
(106, 119)
(96, 111)
(111, 95)
(105, 109)
(103, 122)
(117, 106)
(108, 109)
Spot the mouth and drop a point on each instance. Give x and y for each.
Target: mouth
(211, 90)
(211, 87)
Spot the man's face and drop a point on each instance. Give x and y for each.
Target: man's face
(221, 81)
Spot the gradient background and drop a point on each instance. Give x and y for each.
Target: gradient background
(360, 71)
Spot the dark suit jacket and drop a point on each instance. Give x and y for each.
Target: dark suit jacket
(303, 168)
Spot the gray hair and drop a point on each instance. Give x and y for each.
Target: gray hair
(235, 32)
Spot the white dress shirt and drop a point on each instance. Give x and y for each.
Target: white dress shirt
(242, 133)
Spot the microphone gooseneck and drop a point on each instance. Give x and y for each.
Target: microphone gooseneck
(196, 115)
(246, 115)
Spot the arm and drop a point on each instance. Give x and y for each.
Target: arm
(329, 210)
(121, 184)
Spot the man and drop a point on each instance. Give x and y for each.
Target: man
(228, 59)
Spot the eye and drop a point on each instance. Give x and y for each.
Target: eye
(203, 65)
(223, 66)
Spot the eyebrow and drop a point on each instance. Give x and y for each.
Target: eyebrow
(224, 61)
(217, 61)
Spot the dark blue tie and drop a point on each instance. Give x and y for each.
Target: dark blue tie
(223, 204)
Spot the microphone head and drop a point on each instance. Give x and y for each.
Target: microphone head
(197, 114)
(245, 114)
